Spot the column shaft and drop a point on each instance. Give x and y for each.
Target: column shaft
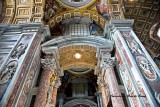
(104, 97)
(115, 93)
(54, 96)
(43, 89)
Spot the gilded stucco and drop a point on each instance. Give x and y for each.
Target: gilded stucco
(68, 60)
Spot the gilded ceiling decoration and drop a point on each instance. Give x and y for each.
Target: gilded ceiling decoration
(103, 8)
(100, 20)
(146, 13)
(76, 3)
(68, 59)
(21, 11)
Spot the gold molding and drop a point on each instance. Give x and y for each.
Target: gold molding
(82, 13)
(69, 7)
(67, 57)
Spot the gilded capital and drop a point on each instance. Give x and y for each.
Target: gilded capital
(48, 63)
(107, 61)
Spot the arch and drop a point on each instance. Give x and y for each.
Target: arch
(67, 46)
(77, 102)
(72, 5)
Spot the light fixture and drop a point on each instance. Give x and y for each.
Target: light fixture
(77, 55)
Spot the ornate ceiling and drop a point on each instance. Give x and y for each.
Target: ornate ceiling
(76, 3)
(145, 12)
(146, 15)
(68, 60)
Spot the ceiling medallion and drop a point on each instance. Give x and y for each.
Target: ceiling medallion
(76, 3)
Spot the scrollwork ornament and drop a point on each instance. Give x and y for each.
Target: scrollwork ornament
(48, 63)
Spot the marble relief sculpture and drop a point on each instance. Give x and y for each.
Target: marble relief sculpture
(157, 95)
(127, 79)
(146, 68)
(8, 72)
(20, 50)
(134, 46)
(29, 81)
(132, 43)
(142, 62)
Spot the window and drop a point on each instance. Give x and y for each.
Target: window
(158, 32)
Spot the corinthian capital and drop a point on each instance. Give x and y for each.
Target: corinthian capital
(107, 61)
(48, 63)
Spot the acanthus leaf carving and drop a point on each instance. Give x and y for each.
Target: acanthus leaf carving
(106, 62)
(48, 63)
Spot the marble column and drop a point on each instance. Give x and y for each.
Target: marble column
(102, 86)
(56, 83)
(107, 63)
(41, 97)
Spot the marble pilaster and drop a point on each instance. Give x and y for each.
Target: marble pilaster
(41, 98)
(102, 85)
(107, 63)
(56, 83)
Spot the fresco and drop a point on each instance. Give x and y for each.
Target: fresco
(95, 29)
(51, 8)
(103, 9)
